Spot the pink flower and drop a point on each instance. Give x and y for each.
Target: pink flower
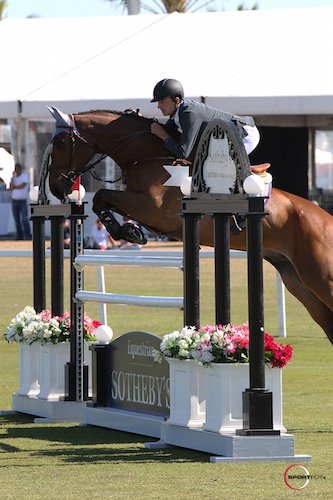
(45, 315)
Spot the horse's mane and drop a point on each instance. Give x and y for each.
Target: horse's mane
(131, 113)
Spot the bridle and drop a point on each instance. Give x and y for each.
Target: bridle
(72, 175)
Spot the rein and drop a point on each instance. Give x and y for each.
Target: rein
(153, 158)
(72, 174)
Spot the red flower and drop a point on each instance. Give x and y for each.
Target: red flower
(281, 355)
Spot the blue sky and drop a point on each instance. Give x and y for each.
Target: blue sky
(69, 8)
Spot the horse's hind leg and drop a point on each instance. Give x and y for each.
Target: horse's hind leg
(321, 314)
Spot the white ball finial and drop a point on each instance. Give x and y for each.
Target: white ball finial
(185, 186)
(33, 194)
(254, 185)
(104, 334)
(77, 195)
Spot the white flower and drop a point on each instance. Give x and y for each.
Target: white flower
(54, 323)
(183, 344)
(187, 331)
(204, 356)
(46, 334)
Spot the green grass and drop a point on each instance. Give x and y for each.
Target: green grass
(56, 461)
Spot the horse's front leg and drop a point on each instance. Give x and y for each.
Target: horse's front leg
(129, 232)
(158, 209)
(128, 204)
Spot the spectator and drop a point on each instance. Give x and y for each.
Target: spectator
(19, 186)
(100, 238)
(67, 234)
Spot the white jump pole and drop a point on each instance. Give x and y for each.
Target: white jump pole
(101, 288)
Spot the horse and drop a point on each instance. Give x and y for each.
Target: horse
(297, 234)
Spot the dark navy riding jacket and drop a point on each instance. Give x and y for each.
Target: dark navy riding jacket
(193, 117)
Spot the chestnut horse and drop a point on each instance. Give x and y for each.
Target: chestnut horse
(298, 235)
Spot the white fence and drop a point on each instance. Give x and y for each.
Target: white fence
(152, 258)
(140, 258)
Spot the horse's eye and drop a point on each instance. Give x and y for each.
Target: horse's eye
(61, 143)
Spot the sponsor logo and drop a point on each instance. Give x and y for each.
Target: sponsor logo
(297, 477)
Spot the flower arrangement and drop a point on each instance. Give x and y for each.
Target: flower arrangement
(30, 327)
(219, 344)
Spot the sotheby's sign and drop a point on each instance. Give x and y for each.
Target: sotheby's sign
(127, 377)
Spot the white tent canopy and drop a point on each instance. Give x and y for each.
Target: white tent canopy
(251, 62)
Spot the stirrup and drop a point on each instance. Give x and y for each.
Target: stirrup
(133, 234)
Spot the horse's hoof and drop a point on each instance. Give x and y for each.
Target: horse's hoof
(133, 234)
(110, 223)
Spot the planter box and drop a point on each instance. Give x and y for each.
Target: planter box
(224, 385)
(29, 370)
(187, 404)
(53, 358)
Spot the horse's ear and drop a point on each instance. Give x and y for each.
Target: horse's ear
(61, 118)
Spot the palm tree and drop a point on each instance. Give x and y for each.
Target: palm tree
(3, 6)
(169, 6)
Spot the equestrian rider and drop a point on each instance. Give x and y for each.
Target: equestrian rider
(190, 118)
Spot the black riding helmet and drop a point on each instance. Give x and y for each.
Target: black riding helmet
(167, 88)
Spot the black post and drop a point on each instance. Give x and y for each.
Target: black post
(191, 269)
(256, 291)
(222, 268)
(257, 401)
(76, 372)
(57, 265)
(38, 255)
(100, 365)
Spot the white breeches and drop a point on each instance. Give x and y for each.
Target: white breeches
(252, 139)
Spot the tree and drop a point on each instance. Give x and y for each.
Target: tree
(169, 6)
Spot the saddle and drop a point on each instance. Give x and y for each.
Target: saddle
(261, 170)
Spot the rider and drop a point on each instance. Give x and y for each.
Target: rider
(190, 118)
